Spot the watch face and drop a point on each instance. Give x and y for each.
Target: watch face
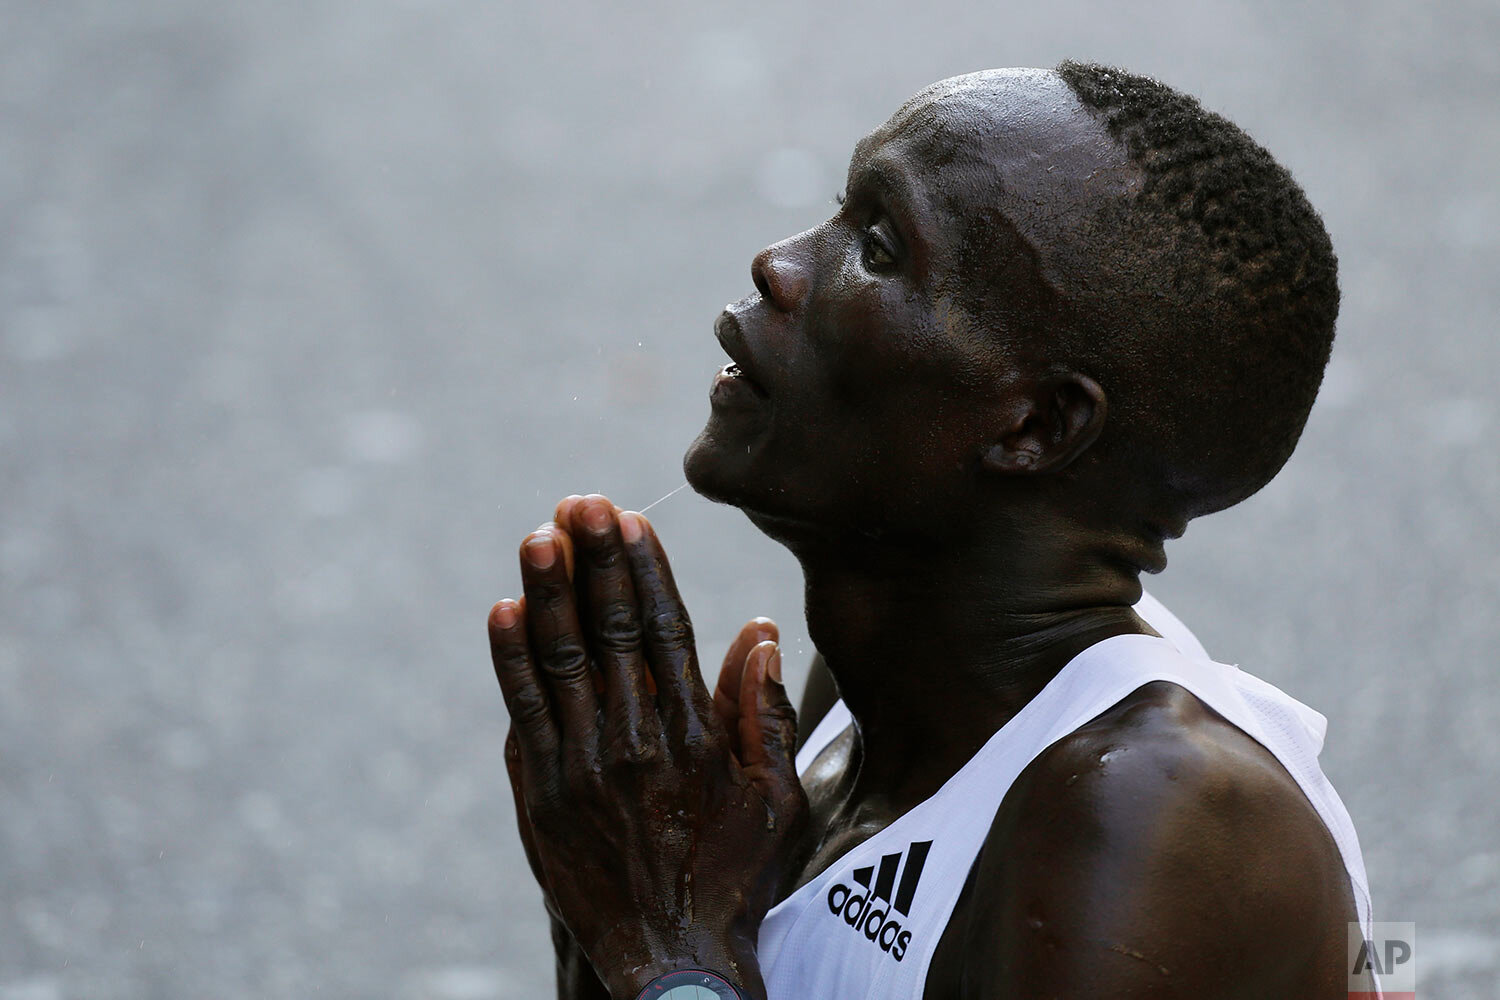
(690, 984)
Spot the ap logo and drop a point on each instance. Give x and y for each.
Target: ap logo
(1389, 955)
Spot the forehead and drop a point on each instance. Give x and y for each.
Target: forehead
(1017, 142)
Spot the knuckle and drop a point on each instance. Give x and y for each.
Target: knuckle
(546, 593)
(632, 753)
(642, 754)
(512, 655)
(782, 714)
(563, 657)
(619, 627)
(528, 707)
(670, 627)
(702, 743)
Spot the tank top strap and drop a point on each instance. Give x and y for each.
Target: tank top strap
(825, 732)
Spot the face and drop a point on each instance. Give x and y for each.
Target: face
(883, 352)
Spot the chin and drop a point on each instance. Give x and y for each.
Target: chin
(726, 472)
(716, 469)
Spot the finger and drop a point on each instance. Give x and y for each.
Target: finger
(532, 723)
(564, 541)
(513, 768)
(768, 731)
(727, 688)
(613, 622)
(681, 697)
(557, 646)
(563, 515)
(563, 518)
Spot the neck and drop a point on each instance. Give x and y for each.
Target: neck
(936, 646)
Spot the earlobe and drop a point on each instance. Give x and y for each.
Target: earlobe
(1061, 422)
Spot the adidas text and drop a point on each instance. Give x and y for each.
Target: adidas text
(872, 912)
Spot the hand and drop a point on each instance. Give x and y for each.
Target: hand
(748, 659)
(575, 976)
(736, 682)
(659, 847)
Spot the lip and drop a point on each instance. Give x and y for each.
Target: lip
(731, 338)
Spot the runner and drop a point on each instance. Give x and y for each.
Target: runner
(1057, 315)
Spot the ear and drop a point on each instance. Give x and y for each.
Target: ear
(1058, 423)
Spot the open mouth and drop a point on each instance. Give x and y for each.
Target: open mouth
(733, 374)
(736, 375)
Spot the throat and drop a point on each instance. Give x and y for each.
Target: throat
(931, 673)
(920, 717)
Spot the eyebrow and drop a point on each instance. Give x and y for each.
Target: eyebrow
(884, 177)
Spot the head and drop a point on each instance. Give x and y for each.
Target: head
(1073, 293)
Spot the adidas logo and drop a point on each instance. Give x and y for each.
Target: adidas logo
(863, 912)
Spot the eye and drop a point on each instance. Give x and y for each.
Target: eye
(879, 250)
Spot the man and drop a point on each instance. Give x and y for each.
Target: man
(1057, 315)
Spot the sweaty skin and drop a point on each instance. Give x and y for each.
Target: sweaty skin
(896, 421)
(658, 837)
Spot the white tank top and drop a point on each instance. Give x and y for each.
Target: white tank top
(869, 924)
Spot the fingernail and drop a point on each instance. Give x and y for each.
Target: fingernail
(541, 551)
(596, 517)
(630, 527)
(773, 665)
(504, 614)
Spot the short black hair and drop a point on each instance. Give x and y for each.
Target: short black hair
(1211, 318)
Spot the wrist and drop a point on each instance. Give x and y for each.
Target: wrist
(732, 960)
(692, 984)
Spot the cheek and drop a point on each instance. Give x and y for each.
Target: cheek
(868, 335)
(908, 440)
(890, 390)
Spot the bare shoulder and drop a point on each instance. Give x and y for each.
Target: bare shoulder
(1156, 851)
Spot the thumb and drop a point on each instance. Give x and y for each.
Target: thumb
(732, 676)
(768, 731)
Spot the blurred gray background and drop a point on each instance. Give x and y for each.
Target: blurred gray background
(308, 311)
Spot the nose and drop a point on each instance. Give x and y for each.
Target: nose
(780, 275)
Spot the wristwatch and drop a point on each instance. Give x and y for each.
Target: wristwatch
(691, 984)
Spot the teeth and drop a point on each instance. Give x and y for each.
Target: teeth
(732, 370)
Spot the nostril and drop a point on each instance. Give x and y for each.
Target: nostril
(758, 270)
(778, 276)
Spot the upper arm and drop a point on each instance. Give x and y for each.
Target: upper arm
(1149, 857)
